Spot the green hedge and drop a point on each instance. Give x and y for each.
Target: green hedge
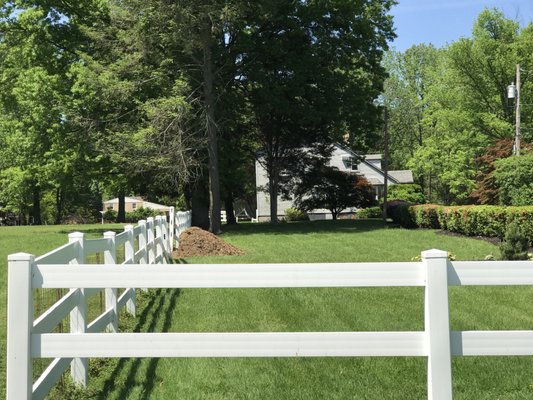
(489, 221)
(369, 212)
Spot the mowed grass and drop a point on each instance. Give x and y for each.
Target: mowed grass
(344, 309)
(284, 310)
(36, 240)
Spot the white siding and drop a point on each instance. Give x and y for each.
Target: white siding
(263, 202)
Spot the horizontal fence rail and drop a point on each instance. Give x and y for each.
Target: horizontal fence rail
(436, 342)
(148, 243)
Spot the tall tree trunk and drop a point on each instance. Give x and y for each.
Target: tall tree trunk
(230, 212)
(121, 216)
(36, 208)
(212, 140)
(59, 206)
(273, 192)
(199, 206)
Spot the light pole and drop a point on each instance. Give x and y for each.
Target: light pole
(512, 92)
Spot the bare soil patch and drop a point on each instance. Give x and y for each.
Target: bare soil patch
(197, 242)
(493, 240)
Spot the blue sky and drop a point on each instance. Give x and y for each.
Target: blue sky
(444, 21)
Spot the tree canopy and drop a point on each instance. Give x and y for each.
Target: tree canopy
(449, 106)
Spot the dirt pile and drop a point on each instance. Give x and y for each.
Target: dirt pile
(197, 242)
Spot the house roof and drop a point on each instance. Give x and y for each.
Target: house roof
(126, 199)
(364, 161)
(402, 176)
(144, 204)
(372, 156)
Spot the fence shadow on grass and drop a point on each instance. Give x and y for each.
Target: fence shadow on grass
(159, 309)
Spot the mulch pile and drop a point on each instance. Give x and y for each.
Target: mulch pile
(197, 242)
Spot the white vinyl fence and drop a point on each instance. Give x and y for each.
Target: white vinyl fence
(147, 243)
(179, 221)
(436, 342)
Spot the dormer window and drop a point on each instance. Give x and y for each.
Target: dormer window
(350, 163)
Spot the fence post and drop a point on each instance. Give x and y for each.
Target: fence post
(78, 316)
(142, 245)
(151, 240)
(19, 326)
(171, 227)
(110, 257)
(166, 237)
(142, 242)
(158, 239)
(129, 254)
(437, 323)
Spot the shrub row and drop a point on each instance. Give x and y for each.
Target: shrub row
(489, 221)
(369, 212)
(132, 216)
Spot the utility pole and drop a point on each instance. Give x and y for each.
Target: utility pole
(518, 134)
(514, 92)
(385, 163)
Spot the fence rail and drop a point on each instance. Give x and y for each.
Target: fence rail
(436, 342)
(148, 243)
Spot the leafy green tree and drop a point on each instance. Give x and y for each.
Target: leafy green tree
(310, 71)
(37, 47)
(130, 98)
(405, 95)
(333, 190)
(514, 178)
(464, 107)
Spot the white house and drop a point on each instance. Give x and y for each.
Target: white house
(132, 204)
(344, 159)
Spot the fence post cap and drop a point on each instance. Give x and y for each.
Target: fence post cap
(128, 227)
(76, 235)
(20, 257)
(434, 253)
(110, 234)
(141, 222)
(150, 219)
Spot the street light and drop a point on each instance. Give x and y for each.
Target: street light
(512, 92)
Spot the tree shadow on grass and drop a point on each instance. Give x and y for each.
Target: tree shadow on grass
(160, 309)
(305, 227)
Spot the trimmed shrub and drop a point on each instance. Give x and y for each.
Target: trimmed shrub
(491, 221)
(294, 214)
(409, 192)
(522, 216)
(426, 215)
(400, 213)
(370, 212)
(515, 243)
(110, 216)
(141, 213)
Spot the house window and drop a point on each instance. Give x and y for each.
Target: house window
(110, 207)
(133, 206)
(351, 163)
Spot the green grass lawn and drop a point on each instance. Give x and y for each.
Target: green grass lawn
(344, 309)
(36, 240)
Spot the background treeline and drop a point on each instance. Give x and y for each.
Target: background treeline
(451, 121)
(173, 99)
